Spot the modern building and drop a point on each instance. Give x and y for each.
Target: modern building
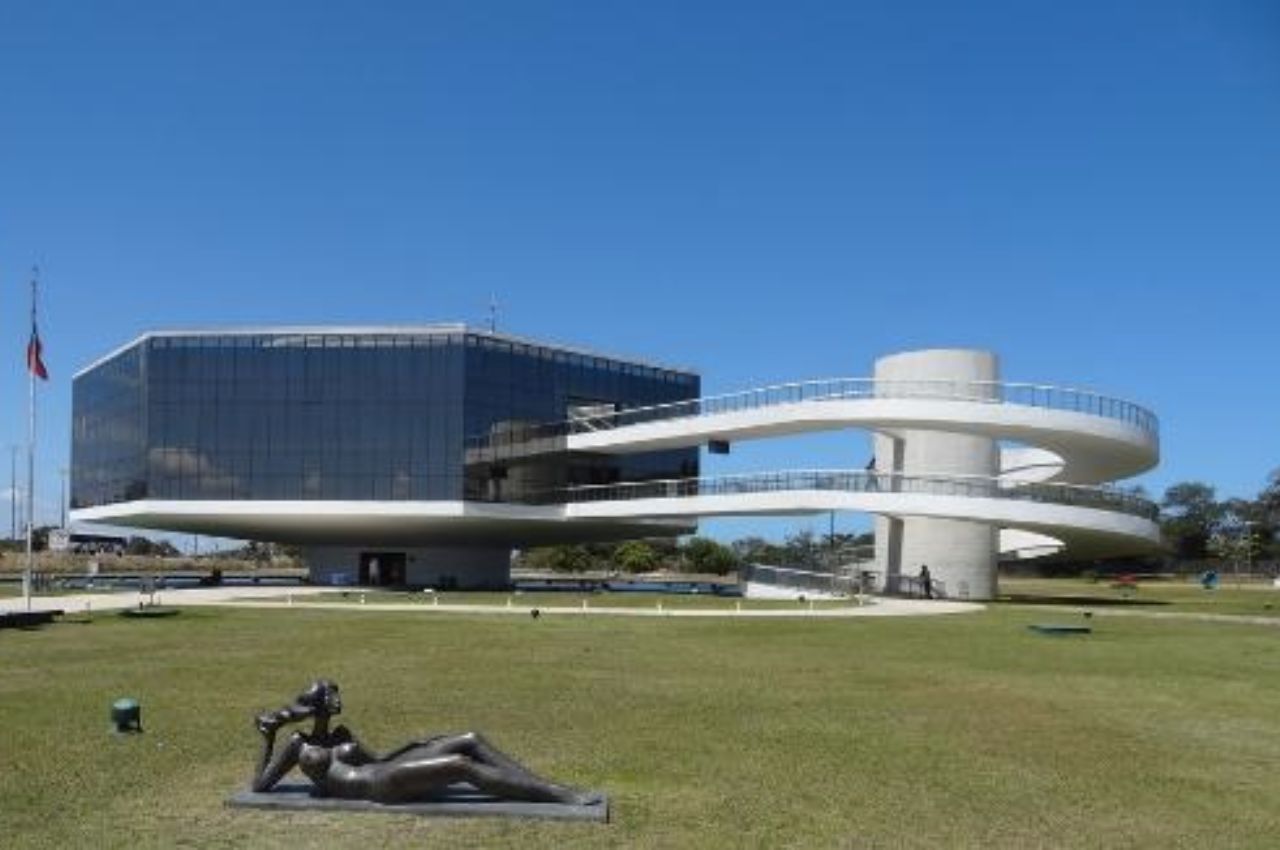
(352, 442)
(425, 455)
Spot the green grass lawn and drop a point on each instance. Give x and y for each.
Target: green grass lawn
(964, 730)
(1257, 599)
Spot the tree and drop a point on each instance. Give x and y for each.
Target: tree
(560, 559)
(165, 549)
(667, 551)
(756, 550)
(1136, 490)
(635, 556)
(801, 549)
(1269, 498)
(1241, 533)
(39, 538)
(703, 555)
(259, 552)
(138, 545)
(1268, 516)
(1189, 517)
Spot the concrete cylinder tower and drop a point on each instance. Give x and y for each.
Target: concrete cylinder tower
(961, 555)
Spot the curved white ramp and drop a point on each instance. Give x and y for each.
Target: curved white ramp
(962, 462)
(1088, 520)
(1076, 435)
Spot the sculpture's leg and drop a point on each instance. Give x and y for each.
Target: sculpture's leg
(416, 779)
(471, 744)
(474, 745)
(518, 785)
(435, 745)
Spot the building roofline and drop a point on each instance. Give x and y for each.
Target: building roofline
(429, 329)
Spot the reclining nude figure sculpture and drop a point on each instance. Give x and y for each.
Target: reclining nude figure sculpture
(339, 766)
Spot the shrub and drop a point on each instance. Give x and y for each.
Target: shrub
(635, 556)
(702, 555)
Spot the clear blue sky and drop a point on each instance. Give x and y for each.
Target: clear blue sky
(767, 191)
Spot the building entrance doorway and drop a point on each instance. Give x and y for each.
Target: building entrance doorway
(382, 568)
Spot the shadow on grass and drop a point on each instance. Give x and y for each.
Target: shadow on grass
(28, 621)
(1094, 601)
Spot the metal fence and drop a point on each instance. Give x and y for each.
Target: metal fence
(840, 389)
(835, 389)
(901, 584)
(862, 481)
(845, 581)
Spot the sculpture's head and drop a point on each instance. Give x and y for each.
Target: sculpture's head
(322, 697)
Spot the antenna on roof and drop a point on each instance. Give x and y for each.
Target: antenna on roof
(493, 314)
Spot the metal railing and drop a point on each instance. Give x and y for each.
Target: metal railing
(861, 481)
(840, 389)
(909, 585)
(844, 582)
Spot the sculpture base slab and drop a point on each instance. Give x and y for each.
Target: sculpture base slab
(460, 801)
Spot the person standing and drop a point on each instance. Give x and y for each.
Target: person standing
(926, 581)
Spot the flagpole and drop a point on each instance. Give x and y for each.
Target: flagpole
(31, 456)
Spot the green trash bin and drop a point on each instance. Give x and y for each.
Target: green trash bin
(126, 715)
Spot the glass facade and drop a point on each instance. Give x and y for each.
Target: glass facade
(349, 416)
(108, 447)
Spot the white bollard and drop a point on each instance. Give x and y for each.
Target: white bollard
(738, 606)
(584, 605)
(362, 599)
(289, 597)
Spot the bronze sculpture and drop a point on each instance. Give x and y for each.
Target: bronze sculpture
(339, 766)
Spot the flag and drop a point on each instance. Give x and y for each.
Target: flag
(35, 365)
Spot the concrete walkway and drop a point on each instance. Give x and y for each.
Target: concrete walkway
(117, 600)
(875, 608)
(283, 597)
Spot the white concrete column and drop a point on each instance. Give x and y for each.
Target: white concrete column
(961, 555)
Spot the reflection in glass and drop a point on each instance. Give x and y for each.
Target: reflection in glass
(348, 416)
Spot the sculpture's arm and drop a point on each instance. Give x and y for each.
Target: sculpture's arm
(275, 764)
(271, 721)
